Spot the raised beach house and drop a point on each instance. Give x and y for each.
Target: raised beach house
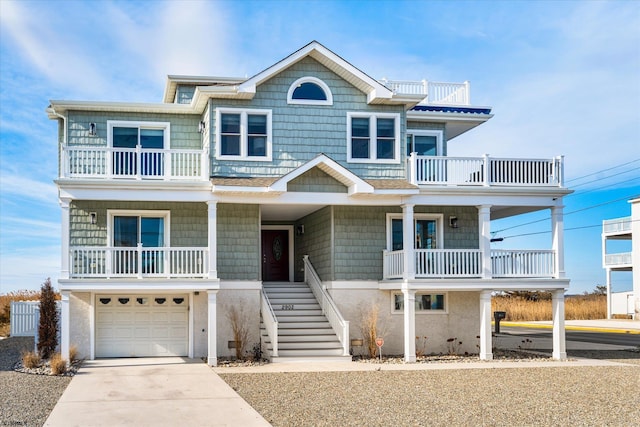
(614, 260)
(292, 203)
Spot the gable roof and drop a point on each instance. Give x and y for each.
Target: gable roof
(376, 92)
(354, 184)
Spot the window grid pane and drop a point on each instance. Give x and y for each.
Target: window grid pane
(257, 138)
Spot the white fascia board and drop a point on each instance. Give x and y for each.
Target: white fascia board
(466, 284)
(241, 285)
(174, 80)
(236, 189)
(176, 194)
(138, 286)
(318, 199)
(484, 198)
(355, 184)
(132, 107)
(440, 116)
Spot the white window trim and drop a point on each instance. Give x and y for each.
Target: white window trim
(166, 126)
(373, 137)
(244, 140)
(425, 132)
(439, 218)
(111, 213)
(422, 312)
(309, 79)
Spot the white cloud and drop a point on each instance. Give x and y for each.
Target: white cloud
(27, 188)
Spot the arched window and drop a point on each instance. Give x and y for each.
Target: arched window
(309, 91)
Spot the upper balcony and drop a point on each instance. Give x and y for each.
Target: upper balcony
(438, 93)
(617, 227)
(134, 163)
(485, 171)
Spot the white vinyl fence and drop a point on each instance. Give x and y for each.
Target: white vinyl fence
(25, 316)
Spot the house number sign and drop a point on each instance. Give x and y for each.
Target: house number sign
(287, 306)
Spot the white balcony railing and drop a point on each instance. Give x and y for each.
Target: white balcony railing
(457, 263)
(448, 263)
(133, 163)
(622, 259)
(616, 226)
(108, 262)
(485, 171)
(522, 263)
(439, 93)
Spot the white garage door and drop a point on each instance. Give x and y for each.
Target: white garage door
(142, 325)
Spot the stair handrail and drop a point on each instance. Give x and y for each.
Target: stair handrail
(329, 308)
(270, 321)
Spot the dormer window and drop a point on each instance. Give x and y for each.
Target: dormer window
(309, 91)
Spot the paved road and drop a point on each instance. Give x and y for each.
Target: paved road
(627, 340)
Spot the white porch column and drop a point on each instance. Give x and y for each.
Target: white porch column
(64, 324)
(608, 270)
(64, 239)
(408, 245)
(212, 335)
(484, 231)
(212, 240)
(559, 343)
(557, 231)
(409, 325)
(485, 326)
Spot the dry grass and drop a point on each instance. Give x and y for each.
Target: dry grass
(238, 320)
(5, 302)
(58, 364)
(31, 359)
(581, 307)
(73, 353)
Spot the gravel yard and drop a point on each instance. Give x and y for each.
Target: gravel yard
(558, 396)
(25, 400)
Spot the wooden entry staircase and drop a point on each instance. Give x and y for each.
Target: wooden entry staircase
(303, 322)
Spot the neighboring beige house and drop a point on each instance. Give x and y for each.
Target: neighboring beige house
(627, 228)
(296, 198)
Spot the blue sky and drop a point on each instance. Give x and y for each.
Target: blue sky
(563, 78)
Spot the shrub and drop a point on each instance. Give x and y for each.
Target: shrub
(73, 353)
(240, 330)
(48, 327)
(31, 359)
(58, 364)
(371, 327)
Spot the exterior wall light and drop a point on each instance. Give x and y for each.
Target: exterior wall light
(300, 230)
(453, 221)
(94, 217)
(93, 129)
(201, 127)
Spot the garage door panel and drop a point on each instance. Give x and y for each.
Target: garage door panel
(150, 325)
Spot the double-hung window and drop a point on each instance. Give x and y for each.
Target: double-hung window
(138, 148)
(243, 134)
(373, 137)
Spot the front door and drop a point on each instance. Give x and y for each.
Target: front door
(275, 255)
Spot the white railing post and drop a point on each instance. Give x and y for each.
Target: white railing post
(408, 237)
(486, 169)
(412, 169)
(467, 93)
(484, 233)
(139, 258)
(212, 233)
(557, 231)
(64, 236)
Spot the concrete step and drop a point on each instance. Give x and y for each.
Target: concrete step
(293, 300)
(284, 317)
(315, 352)
(308, 359)
(302, 312)
(303, 338)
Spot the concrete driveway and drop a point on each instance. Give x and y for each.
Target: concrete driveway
(168, 391)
